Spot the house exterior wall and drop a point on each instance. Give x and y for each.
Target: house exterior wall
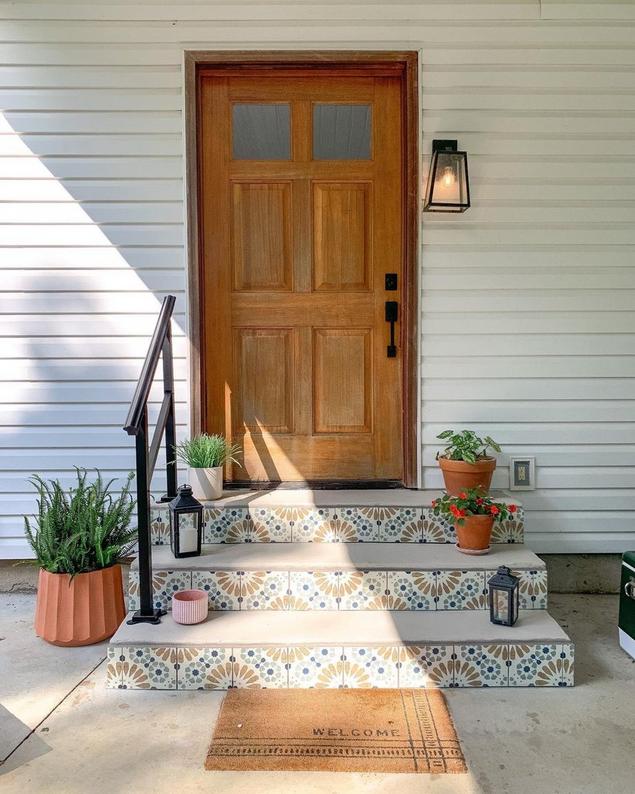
(528, 300)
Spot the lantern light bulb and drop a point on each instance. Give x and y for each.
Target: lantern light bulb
(448, 176)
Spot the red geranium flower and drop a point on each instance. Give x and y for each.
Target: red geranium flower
(479, 501)
(493, 510)
(434, 503)
(512, 508)
(462, 495)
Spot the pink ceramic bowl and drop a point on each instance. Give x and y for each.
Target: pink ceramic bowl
(189, 606)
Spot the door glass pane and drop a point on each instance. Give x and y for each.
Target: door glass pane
(341, 132)
(261, 132)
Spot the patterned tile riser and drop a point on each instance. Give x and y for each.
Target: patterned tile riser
(443, 666)
(340, 590)
(164, 585)
(328, 525)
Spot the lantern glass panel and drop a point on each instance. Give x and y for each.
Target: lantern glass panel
(187, 529)
(448, 187)
(500, 600)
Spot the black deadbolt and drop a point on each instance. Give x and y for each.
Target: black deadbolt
(391, 282)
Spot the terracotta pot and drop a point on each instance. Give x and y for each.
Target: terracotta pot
(80, 611)
(207, 484)
(475, 533)
(459, 475)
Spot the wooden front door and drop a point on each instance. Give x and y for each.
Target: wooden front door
(302, 218)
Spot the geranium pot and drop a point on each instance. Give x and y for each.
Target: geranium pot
(79, 610)
(207, 483)
(459, 475)
(474, 534)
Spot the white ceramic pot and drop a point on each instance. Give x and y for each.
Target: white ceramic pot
(207, 483)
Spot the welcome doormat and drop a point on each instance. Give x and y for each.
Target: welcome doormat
(335, 730)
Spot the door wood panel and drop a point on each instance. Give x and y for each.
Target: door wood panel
(342, 380)
(261, 235)
(293, 261)
(263, 402)
(341, 235)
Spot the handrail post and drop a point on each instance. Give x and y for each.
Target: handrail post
(146, 455)
(143, 517)
(146, 613)
(170, 429)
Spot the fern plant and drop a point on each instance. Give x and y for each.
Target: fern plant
(83, 530)
(207, 452)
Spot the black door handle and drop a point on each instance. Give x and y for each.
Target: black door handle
(392, 312)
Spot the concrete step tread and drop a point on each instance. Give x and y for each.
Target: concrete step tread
(308, 497)
(344, 556)
(283, 629)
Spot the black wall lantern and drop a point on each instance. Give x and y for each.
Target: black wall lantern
(186, 524)
(503, 597)
(448, 188)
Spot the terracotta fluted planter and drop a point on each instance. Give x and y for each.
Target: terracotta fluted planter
(81, 611)
(459, 475)
(475, 534)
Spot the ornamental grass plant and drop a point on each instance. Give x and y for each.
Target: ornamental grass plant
(207, 451)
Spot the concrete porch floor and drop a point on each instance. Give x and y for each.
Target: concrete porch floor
(66, 733)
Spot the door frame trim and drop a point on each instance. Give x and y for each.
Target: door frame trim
(402, 63)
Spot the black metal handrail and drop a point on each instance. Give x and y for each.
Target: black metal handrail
(146, 457)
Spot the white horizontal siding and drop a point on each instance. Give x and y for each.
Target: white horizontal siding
(528, 300)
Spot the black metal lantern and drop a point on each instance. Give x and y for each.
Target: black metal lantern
(186, 523)
(503, 597)
(448, 188)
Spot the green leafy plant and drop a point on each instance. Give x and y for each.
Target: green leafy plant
(207, 451)
(471, 502)
(82, 530)
(466, 446)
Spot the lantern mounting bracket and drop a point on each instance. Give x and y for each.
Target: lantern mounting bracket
(439, 145)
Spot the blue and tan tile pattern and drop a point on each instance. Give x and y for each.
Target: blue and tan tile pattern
(328, 525)
(340, 590)
(142, 667)
(547, 664)
(164, 585)
(430, 666)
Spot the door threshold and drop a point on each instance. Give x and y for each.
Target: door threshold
(315, 485)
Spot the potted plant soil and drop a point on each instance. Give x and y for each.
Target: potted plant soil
(206, 455)
(473, 514)
(78, 539)
(465, 462)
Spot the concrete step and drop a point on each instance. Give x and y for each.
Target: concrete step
(395, 515)
(341, 649)
(338, 576)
